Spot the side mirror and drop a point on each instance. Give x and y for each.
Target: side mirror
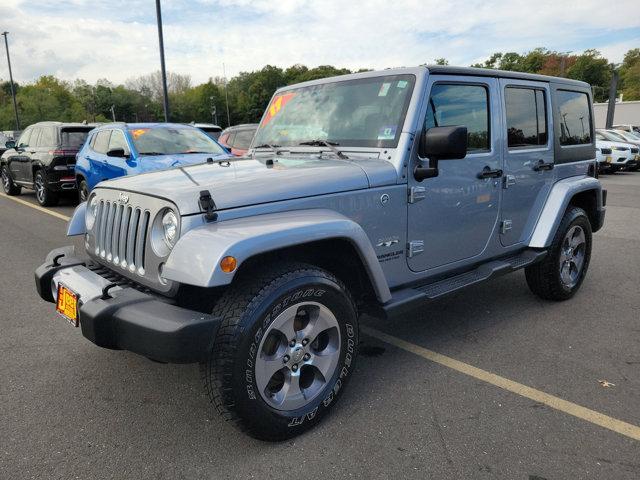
(440, 143)
(117, 152)
(9, 144)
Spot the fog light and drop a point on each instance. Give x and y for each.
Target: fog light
(228, 264)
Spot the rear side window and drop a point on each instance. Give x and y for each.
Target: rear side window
(101, 143)
(74, 137)
(465, 105)
(243, 139)
(526, 113)
(35, 136)
(25, 138)
(47, 137)
(575, 118)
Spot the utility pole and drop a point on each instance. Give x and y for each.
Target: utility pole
(613, 91)
(113, 112)
(13, 91)
(214, 111)
(162, 66)
(226, 95)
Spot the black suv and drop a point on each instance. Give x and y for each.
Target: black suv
(43, 158)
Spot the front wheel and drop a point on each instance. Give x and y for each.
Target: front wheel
(83, 190)
(284, 351)
(560, 274)
(8, 186)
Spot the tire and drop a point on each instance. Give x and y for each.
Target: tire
(561, 273)
(8, 186)
(83, 190)
(44, 195)
(299, 299)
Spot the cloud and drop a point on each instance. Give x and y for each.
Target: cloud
(118, 39)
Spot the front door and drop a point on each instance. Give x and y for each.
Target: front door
(19, 157)
(528, 153)
(454, 214)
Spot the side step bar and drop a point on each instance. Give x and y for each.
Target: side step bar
(406, 299)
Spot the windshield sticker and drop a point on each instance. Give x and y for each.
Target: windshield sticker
(384, 89)
(402, 83)
(277, 104)
(138, 132)
(387, 132)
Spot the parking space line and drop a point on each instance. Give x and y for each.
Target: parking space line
(36, 207)
(591, 416)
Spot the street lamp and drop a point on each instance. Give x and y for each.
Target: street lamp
(13, 92)
(214, 111)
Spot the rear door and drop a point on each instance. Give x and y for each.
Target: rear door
(31, 155)
(528, 156)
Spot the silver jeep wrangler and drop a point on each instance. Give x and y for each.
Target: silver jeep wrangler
(367, 193)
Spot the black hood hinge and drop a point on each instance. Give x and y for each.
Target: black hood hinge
(208, 205)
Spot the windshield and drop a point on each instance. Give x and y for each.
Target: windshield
(367, 112)
(172, 141)
(615, 137)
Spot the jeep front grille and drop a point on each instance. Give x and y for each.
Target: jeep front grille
(121, 235)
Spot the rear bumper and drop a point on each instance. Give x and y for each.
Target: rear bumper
(125, 318)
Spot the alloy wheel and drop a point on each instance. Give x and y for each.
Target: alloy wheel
(572, 255)
(6, 181)
(40, 188)
(298, 355)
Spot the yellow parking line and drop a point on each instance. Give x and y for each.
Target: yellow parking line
(36, 207)
(591, 416)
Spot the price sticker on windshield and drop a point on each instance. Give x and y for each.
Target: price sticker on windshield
(387, 132)
(138, 132)
(277, 104)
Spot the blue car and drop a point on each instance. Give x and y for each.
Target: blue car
(117, 149)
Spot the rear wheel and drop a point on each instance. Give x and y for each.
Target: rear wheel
(44, 195)
(284, 352)
(8, 186)
(560, 274)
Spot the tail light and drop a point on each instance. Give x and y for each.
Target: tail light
(63, 153)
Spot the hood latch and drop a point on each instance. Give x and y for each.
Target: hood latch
(208, 205)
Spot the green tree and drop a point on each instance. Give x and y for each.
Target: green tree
(592, 68)
(630, 75)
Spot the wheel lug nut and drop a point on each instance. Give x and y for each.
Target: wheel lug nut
(306, 357)
(294, 367)
(305, 341)
(292, 343)
(285, 359)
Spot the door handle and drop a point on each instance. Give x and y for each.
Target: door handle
(541, 165)
(488, 173)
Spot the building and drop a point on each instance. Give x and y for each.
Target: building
(626, 113)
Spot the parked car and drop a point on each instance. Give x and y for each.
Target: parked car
(43, 159)
(117, 149)
(3, 142)
(375, 193)
(628, 128)
(238, 138)
(604, 158)
(625, 153)
(210, 129)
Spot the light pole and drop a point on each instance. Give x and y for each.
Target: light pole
(162, 66)
(214, 111)
(13, 91)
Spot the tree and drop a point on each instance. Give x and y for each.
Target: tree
(592, 68)
(630, 75)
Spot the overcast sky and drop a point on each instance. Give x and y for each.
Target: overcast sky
(117, 39)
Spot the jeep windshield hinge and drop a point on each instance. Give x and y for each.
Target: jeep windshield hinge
(415, 247)
(416, 194)
(208, 205)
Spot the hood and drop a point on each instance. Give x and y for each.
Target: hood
(247, 181)
(151, 163)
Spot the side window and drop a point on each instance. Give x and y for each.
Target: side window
(117, 140)
(526, 113)
(575, 118)
(101, 143)
(465, 105)
(231, 139)
(243, 138)
(25, 138)
(47, 137)
(35, 137)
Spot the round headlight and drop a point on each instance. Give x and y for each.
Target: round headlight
(170, 228)
(91, 212)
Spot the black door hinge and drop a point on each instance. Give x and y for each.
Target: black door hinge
(208, 205)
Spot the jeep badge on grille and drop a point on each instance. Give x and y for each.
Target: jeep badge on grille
(122, 198)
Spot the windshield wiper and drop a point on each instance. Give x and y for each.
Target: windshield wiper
(273, 148)
(196, 151)
(152, 153)
(325, 143)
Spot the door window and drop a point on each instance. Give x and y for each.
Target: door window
(117, 140)
(231, 139)
(575, 118)
(101, 143)
(526, 117)
(464, 105)
(25, 138)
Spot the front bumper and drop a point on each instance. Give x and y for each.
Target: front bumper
(124, 318)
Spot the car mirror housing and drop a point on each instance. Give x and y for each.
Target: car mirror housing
(10, 144)
(440, 143)
(117, 152)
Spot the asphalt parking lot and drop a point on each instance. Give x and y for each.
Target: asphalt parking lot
(69, 409)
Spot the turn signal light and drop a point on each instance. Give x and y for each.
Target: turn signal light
(228, 264)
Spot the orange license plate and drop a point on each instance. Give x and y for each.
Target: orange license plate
(67, 305)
